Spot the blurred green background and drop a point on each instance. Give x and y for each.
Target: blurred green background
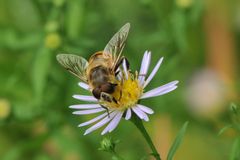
(200, 42)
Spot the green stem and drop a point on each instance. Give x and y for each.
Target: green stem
(138, 123)
(116, 156)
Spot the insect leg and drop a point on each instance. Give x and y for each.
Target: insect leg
(106, 109)
(107, 97)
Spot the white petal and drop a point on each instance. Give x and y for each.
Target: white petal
(154, 71)
(119, 76)
(140, 113)
(167, 91)
(84, 106)
(85, 98)
(137, 112)
(113, 124)
(143, 62)
(89, 111)
(93, 120)
(128, 114)
(160, 90)
(144, 67)
(125, 69)
(117, 120)
(101, 123)
(145, 109)
(84, 85)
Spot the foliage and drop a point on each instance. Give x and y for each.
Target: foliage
(235, 116)
(35, 122)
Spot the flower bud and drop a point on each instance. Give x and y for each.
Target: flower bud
(51, 26)
(184, 3)
(53, 40)
(58, 3)
(4, 108)
(108, 145)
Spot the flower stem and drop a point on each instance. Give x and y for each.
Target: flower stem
(138, 123)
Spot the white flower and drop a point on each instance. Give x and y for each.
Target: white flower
(128, 93)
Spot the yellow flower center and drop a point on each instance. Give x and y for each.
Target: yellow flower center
(126, 94)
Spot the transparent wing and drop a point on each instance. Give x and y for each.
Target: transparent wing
(74, 64)
(117, 43)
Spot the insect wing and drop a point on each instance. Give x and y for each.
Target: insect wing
(117, 43)
(74, 64)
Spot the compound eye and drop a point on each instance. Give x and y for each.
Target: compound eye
(108, 88)
(96, 92)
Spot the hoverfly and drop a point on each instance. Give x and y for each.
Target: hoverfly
(102, 68)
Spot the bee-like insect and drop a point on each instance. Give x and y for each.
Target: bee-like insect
(102, 68)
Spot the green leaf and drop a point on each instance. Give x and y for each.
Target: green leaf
(40, 71)
(13, 153)
(235, 153)
(13, 40)
(179, 28)
(177, 141)
(74, 9)
(224, 129)
(24, 15)
(115, 158)
(196, 11)
(234, 108)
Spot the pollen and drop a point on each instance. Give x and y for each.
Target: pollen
(126, 93)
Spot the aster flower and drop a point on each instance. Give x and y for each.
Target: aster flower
(130, 89)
